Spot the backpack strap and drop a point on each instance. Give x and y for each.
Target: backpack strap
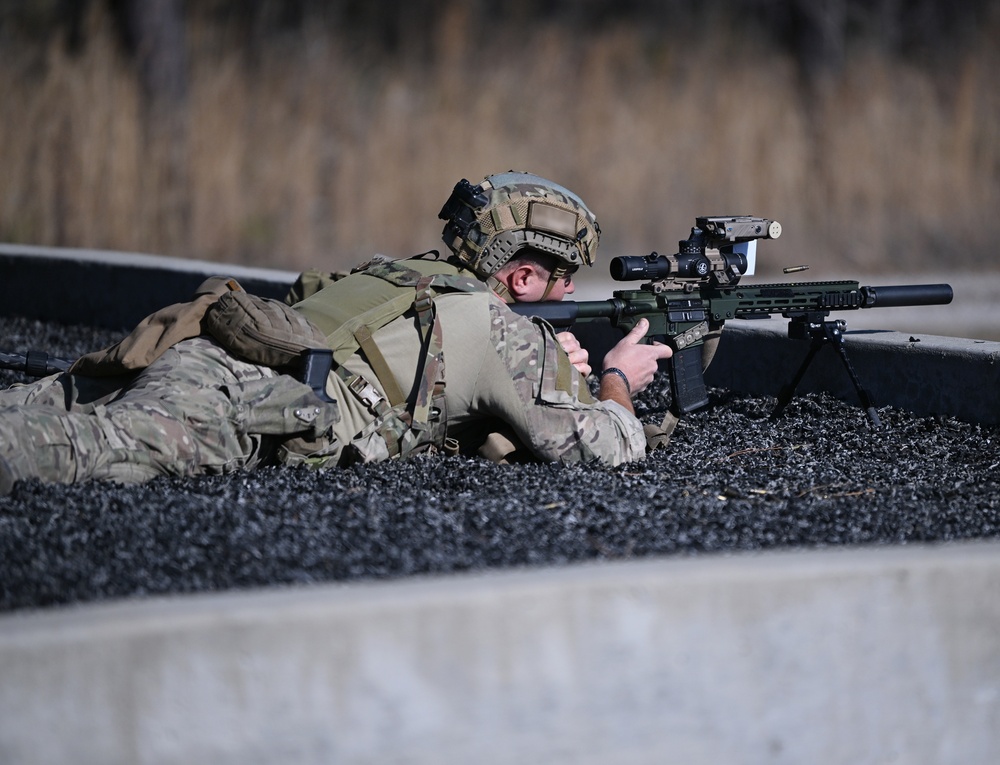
(379, 365)
(406, 426)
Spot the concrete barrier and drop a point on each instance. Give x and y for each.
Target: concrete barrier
(863, 656)
(100, 288)
(923, 374)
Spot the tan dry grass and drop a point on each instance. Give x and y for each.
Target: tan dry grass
(313, 155)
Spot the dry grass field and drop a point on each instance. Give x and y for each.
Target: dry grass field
(315, 146)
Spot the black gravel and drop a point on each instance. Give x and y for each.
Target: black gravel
(731, 480)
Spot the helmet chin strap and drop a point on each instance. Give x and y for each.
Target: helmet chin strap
(500, 288)
(558, 273)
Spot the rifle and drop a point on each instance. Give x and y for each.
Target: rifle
(696, 291)
(33, 363)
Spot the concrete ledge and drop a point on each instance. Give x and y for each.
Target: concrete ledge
(75, 286)
(862, 656)
(923, 374)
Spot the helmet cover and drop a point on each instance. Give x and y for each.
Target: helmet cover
(490, 223)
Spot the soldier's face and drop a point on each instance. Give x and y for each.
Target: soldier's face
(535, 285)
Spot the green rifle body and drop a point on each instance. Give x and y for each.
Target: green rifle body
(681, 316)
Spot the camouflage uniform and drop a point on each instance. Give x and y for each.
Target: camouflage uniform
(195, 410)
(501, 369)
(199, 410)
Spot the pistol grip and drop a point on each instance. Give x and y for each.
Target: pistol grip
(316, 366)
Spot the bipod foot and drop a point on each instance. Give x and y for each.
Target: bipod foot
(866, 400)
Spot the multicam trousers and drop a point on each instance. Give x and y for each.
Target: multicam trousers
(195, 410)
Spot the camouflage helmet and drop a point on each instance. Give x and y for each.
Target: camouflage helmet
(490, 223)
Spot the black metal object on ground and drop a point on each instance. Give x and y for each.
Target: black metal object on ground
(731, 480)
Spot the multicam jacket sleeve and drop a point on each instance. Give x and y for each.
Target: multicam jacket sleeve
(529, 383)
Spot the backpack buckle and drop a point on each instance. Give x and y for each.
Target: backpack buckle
(367, 394)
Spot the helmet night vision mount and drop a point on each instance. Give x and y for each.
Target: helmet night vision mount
(720, 250)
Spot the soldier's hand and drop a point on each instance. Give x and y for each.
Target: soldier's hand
(637, 360)
(578, 355)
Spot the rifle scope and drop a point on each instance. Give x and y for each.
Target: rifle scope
(683, 265)
(716, 244)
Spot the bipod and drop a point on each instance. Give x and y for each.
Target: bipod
(814, 326)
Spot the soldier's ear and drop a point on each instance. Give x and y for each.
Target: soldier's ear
(523, 280)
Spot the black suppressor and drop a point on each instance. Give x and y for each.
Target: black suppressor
(906, 295)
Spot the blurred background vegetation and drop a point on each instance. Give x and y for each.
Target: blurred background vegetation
(313, 133)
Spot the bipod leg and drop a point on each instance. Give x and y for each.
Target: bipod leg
(866, 400)
(786, 393)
